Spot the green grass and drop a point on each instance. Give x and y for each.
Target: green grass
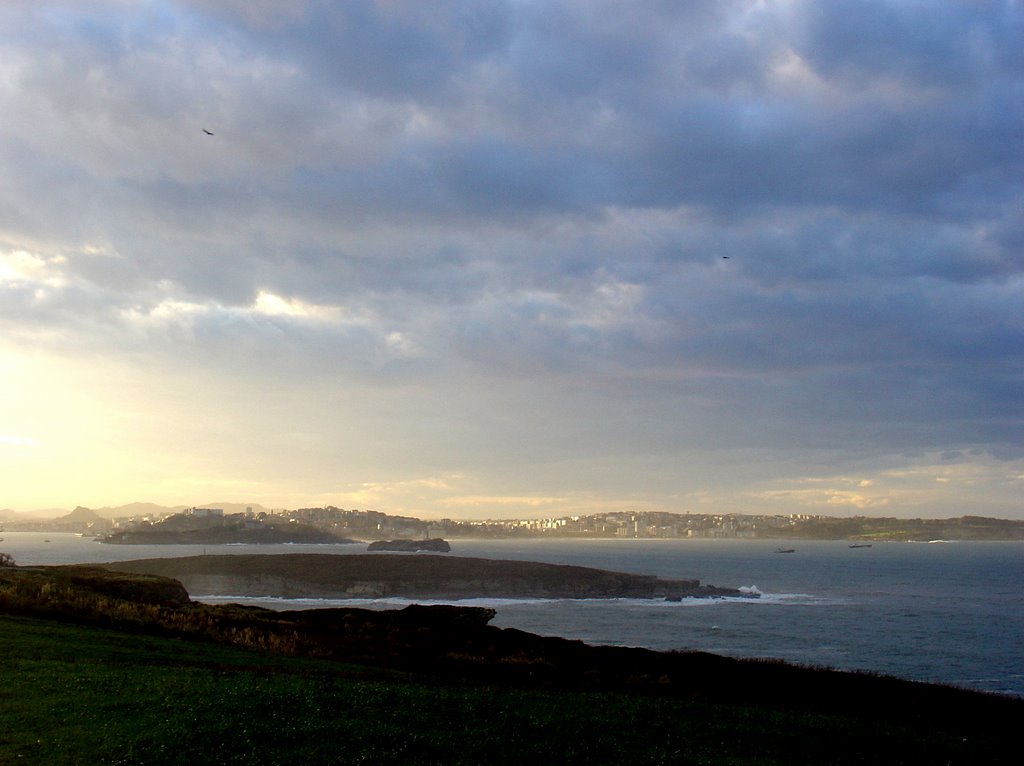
(82, 695)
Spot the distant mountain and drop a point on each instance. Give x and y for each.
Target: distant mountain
(119, 511)
(81, 515)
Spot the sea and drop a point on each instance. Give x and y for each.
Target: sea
(947, 612)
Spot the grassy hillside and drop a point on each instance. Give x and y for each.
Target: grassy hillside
(85, 695)
(108, 668)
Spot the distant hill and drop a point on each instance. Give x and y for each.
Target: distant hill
(82, 515)
(119, 511)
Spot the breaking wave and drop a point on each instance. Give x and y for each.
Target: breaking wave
(282, 604)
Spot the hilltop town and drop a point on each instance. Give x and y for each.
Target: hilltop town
(374, 525)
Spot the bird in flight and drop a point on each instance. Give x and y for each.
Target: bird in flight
(207, 132)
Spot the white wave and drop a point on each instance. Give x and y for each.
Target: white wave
(798, 599)
(281, 603)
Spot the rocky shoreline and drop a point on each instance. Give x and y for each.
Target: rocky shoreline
(304, 575)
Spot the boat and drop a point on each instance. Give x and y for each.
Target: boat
(860, 545)
(785, 550)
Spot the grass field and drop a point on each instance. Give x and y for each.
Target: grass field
(85, 695)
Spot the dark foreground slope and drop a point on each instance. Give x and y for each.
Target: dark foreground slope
(419, 576)
(78, 695)
(425, 685)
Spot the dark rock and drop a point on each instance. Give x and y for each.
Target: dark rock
(435, 545)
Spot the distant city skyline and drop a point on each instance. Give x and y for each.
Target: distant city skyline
(507, 260)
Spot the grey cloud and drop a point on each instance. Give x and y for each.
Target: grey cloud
(531, 203)
(399, 50)
(944, 45)
(705, 147)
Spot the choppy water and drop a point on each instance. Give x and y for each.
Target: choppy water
(951, 613)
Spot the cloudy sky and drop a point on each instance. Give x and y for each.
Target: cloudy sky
(513, 258)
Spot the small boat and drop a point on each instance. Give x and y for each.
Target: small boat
(860, 545)
(785, 550)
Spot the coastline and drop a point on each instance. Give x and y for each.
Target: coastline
(824, 606)
(420, 576)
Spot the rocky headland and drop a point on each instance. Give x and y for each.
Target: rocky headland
(310, 575)
(225, 535)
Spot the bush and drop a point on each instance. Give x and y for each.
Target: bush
(6, 560)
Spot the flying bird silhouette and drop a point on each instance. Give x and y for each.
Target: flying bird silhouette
(207, 132)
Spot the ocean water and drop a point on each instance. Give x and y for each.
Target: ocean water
(946, 612)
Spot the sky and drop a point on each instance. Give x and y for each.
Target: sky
(514, 258)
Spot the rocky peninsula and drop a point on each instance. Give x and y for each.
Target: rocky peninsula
(305, 575)
(227, 534)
